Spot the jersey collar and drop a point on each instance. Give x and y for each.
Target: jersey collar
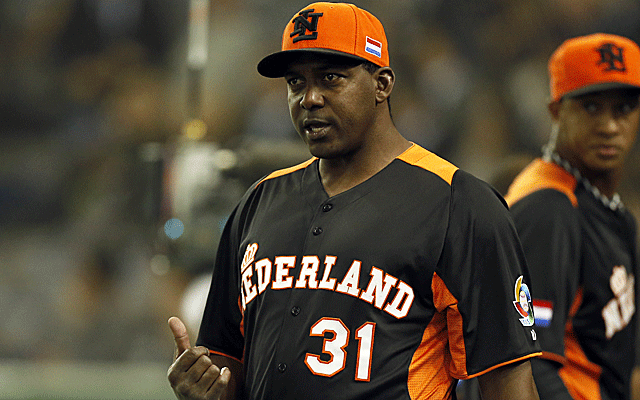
(615, 203)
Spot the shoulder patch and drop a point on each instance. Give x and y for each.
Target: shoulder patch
(522, 302)
(286, 171)
(420, 157)
(539, 175)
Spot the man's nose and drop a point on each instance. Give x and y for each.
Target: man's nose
(312, 97)
(610, 123)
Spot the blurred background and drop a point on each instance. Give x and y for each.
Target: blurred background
(126, 137)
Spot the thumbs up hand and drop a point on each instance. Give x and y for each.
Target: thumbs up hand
(193, 376)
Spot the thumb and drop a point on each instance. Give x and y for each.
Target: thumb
(180, 335)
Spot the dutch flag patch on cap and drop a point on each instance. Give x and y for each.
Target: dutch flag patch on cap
(373, 47)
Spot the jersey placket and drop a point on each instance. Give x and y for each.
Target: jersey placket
(293, 341)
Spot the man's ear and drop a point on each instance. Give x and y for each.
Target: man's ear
(554, 109)
(385, 78)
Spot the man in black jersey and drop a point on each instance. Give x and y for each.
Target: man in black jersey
(374, 270)
(579, 239)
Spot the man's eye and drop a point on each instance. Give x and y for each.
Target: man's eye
(293, 81)
(627, 106)
(330, 77)
(590, 107)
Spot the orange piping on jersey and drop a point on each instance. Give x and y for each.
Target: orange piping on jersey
(241, 312)
(580, 376)
(241, 327)
(553, 357)
(515, 360)
(577, 301)
(568, 328)
(443, 300)
(225, 355)
(539, 175)
(416, 155)
(429, 371)
(289, 170)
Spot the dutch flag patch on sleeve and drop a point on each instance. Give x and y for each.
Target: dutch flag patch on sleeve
(543, 310)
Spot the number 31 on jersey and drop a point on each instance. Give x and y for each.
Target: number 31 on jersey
(335, 347)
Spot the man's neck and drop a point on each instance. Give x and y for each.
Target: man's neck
(605, 181)
(341, 174)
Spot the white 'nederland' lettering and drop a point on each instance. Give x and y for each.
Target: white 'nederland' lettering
(276, 274)
(619, 310)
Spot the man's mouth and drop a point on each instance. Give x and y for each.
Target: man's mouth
(315, 129)
(608, 151)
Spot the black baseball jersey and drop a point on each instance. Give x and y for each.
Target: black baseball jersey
(394, 289)
(582, 259)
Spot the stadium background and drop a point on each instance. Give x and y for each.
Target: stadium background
(95, 155)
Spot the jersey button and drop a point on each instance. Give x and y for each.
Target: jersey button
(317, 230)
(295, 311)
(282, 367)
(327, 207)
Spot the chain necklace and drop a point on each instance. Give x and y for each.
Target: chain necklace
(614, 203)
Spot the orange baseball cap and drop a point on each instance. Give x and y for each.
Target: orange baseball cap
(594, 63)
(329, 28)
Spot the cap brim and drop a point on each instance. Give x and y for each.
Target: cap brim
(275, 65)
(599, 87)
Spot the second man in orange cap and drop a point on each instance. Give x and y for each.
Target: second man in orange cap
(579, 239)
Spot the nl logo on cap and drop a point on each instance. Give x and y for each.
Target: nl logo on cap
(373, 47)
(611, 56)
(302, 24)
